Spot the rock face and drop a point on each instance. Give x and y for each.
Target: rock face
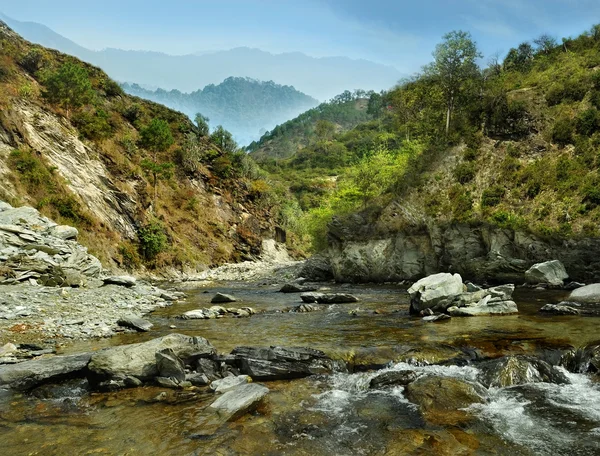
(435, 292)
(328, 298)
(279, 363)
(139, 360)
(517, 370)
(169, 365)
(34, 247)
(550, 272)
(28, 374)
(366, 250)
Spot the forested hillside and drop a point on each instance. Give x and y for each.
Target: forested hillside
(244, 106)
(144, 185)
(515, 144)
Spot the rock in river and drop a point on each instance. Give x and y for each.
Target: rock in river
(169, 365)
(28, 374)
(435, 291)
(564, 308)
(589, 294)
(393, 378)
(517, 370)
(550, 272)
(139, 360)
(279, 363)
(328, 298)
(221, 298)
(133, 322)
(227, 383)
(296, 288)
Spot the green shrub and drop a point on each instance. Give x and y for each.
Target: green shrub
(461, 203)
(591, 193)
(470, 154)
(153, 240)
(111, 88)
(132, 113)
(588, 122)
(492, 196)
(464, 172)
(93, 125)
(570, 91)
(32, 61)
(562, 132)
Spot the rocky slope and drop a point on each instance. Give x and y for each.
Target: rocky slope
(87, 166)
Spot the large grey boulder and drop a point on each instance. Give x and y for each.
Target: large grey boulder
(278, 363)
(550, 272)
(436, 291)
(221, 298)
(139, 360)
(317, 268)
(64, 232)
(564, 308)
(28, 374)
(589, 294)
(517, 370)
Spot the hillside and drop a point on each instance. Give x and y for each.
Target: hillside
(143, 184)
(321, 78)
(516, 177)
(244, 106)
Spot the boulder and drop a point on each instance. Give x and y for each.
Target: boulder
(317, 268)
(485, 307)
(209, 368)
(435, 291)
(197, 379)
(26, 375)
(303, 308)
(328, 298)
(589, 294)
(438, 317)
(582, 360)
(133, 322)
(392, 378)
(518, 370)
(169, 365)
(139, 360)
(550, 272)
(296, 288)
(227, 383)
(221, 298)
(442, 400)
(199, 314)
(230, 406)
(279, 363)
(124, 281)
(561, 309)
(64, 232)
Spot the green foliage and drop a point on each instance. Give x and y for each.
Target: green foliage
(69, 86)
(223, 139)
(156, 136)
(111, 88)
(153, 240)
(588, 122)
(519, 59)
(465, 172)
(32, 61)
(94, 125)
(570, 91)
(492, 196)
(461, 203)
(562, 132)
(202, 124)
(32, 170)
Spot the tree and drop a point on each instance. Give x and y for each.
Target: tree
(324, 129)
(157, 171)
(156, 136)
(69, 86)
(202, 124)
(520, 58)
(454, 65)
(224, 140)
(545, 43)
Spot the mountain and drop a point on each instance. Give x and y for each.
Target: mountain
(244, 106)
(322, 78)
(144, 186)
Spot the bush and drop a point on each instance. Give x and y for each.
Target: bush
(570, 91)
(562, 132)
(32, 61)
(132, 113)
(69, 86)
(588, 122)
(464, 172)
(111, 88)
(153, 240)
(591, 193)
(156, 136)
(492, 196)
(461, 203)
(93, 125)
(470, 154)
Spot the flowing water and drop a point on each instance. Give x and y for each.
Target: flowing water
(335, 414)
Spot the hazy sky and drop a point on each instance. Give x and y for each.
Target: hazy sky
(396, 32)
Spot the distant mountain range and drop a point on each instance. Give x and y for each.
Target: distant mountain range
(244, 106)
(322, 78)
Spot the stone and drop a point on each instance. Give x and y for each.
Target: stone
(438, 317)
(303, 308)
(435, 291)
(297, 288)
(124, 281)
(488, 307)
(227, 383)
(209, 368)
(198, 314)
(442, 400)
(170, 366)
(64, 232)
(582, 360)
(392, 378)
(472, 288)
(279, 363)
(8, 349)
(197, 379)
(218, 310)
(26, 375)
(317, 268)
(328, 298)
(221, 298)
(589, 294)
(560, 309)
(573, 285)
(518, 370)
(133, 322)
(139, 360)
(167, 382)
(550, 272)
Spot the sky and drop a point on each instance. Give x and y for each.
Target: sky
(394, 32)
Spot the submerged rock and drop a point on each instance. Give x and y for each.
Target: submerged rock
(297, 288)
(550, 272)
(279, 363)
(561, 309)
(518, 370)
(221, 298)
(139, 360)
(392, 378)
(435, 292)
(28, 374)
(328, 298)
(303, 308)
(133, 322)
(438, 317)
